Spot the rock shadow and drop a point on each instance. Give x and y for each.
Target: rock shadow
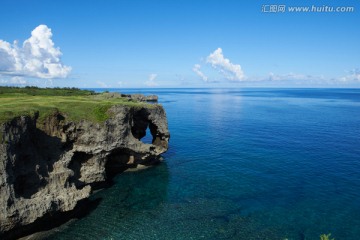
(34, 156)
(78, 161)
(54, 220)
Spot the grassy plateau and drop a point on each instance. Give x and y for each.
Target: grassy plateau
(74, 103)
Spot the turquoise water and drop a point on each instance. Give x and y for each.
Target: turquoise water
(242, 164)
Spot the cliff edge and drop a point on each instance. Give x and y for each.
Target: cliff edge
(48, 167)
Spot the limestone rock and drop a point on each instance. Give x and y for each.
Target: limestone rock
(141, 97)
(49, 167)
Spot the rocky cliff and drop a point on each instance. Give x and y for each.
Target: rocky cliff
(48, 167)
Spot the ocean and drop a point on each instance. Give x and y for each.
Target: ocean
(242, 164)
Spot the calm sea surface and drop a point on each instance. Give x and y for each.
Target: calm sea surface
(242, 164)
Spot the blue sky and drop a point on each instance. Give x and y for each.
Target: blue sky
(214, 43)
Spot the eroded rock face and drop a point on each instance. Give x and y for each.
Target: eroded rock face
(48, 167)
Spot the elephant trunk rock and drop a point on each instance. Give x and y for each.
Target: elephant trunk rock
(48, 167)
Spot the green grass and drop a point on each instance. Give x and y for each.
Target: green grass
(35, 91)
(75, 104)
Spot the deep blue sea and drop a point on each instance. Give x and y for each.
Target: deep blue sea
(242, 164)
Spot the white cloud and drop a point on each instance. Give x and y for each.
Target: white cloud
(353, 76)
(292, 76)
(151, 81)
(197, 70)
(234, 72)
(14, 81)
(152, 77)
(38, 57)
(224, 66)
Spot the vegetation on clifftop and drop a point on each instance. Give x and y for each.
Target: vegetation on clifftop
(74, 103)
(35, 91)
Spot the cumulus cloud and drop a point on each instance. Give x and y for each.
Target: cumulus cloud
(37, 57)
(197, 70)
(224, 66)
(151, 81)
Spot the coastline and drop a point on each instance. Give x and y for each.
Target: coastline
(57, 163)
